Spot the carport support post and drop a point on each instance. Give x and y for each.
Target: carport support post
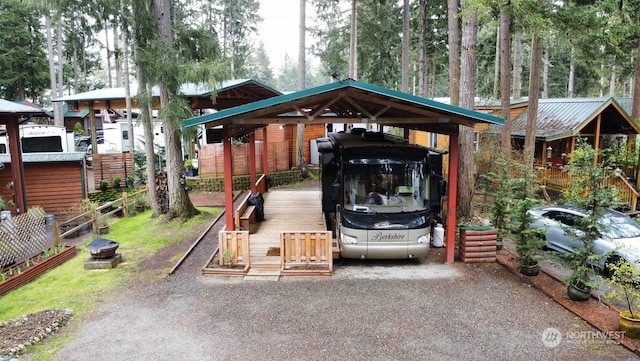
(452, 192)
(265, 153)
(17, 168)
(252, 161)
(228, 180)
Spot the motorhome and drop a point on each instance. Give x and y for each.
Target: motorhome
(38, 138)
(379, 194)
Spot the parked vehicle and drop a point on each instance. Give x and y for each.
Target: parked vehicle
(621, 234)
(39, 138)
(378, 194)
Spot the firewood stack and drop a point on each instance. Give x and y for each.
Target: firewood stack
(162, 192)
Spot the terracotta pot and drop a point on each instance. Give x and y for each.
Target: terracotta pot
(576, 293)
(630, 326)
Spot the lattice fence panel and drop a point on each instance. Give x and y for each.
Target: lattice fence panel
(22, 237)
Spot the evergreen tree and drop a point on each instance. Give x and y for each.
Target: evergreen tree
(22, 57)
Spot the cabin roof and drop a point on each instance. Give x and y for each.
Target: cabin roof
(561, 118)
(227, 94)
(346, 101)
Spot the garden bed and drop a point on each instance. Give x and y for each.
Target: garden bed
(27, 271)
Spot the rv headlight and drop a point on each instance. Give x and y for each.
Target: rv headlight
(423, 239)
(349, 239)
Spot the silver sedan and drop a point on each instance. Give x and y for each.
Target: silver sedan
(620, 236)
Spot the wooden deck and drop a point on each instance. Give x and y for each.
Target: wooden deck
(284, 210)
(292, 240)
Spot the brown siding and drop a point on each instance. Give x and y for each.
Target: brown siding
(211, 159)
(56, 187)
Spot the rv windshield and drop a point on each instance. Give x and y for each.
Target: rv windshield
(385, 186)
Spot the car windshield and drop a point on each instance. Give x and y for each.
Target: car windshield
(386, 186)
(620, 226)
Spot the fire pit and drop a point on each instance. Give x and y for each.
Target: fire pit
(102, 248)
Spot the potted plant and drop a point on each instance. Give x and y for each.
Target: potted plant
(624, 288)
(588, 191)
(103, 185)
(103, 221)
(116, 182)
(188, 167)
(141, 202)
(130, 181)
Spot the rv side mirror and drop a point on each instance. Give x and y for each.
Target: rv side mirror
(335, 191)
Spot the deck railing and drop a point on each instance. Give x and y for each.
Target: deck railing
(306, 252)
(557, 179)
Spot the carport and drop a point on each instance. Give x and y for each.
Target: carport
(346, 101)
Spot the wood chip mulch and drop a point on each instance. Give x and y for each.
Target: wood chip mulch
(599, 315)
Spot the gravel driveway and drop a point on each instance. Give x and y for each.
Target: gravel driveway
(374, 310)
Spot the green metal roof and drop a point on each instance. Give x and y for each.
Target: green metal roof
(9, 107)
(560, 118)
(46, 157)
(188, 90)
(347, 101)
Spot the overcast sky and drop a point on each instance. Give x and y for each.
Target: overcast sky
(279, 29)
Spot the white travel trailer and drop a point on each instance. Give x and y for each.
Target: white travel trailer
(38, 138)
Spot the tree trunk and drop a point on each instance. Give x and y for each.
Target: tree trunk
(496, 65)
(127, 85)
(517, 64)
(572, 75)
(505, 79)
(454, 51)
(405, 45)
(302, 163)
(179, 203)
(468, 70)
(423, 90)
(635, 107)
(106, 42)
(534, 94)
(58, 110)
(545, 71)
(117, 57)
(353, 43)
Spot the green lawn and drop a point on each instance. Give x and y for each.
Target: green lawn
(70, 286)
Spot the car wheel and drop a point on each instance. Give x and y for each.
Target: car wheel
(612, 260)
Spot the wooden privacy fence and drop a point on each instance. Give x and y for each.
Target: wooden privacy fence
(306, 252)
(112, 165)
(211, 159)
(22, 237)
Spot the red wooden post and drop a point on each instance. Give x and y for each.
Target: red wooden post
(252, 161)
(450, 237)
(228, 180)
(265, 153)
(17, 169)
